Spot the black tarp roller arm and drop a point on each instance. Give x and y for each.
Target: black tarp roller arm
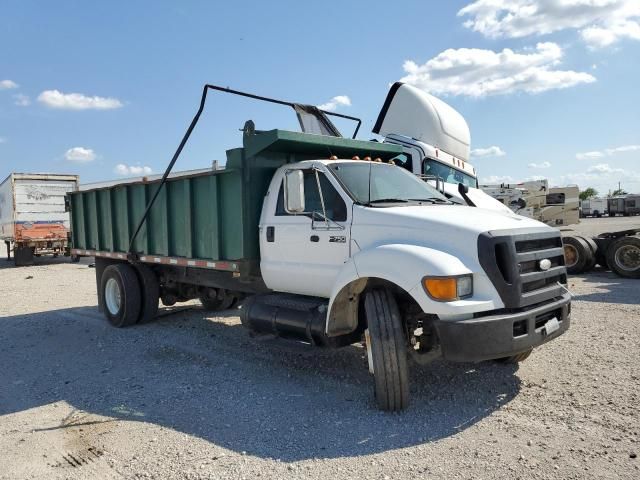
(133, 255)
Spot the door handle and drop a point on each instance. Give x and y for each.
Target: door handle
(271, 234)
(314, 238)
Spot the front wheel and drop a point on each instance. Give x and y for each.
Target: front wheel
(120, 294)
(387, 350)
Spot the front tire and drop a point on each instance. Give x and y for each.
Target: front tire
(388, 350)
(120, 292)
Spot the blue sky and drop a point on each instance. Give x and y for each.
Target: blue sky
(553, 87)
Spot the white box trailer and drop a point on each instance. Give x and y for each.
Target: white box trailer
(594, 207)
(33, 216)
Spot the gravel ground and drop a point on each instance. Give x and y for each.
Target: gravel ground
(192, 396)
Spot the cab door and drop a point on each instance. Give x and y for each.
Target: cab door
(303, 253)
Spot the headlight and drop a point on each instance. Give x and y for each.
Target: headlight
(446, 289)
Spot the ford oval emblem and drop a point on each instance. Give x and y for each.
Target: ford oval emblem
(544, 264)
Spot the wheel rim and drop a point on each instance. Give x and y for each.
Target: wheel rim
(112, 297)
(628, 258)
(570, 255)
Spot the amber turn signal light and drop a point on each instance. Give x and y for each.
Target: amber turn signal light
(443, 289)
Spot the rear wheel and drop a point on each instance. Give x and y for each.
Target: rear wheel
(150, 293)
(387, 350)
(623, 257)
(577, 254)
(120, 292)
(593, 258)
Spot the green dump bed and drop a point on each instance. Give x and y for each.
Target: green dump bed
(207, 220)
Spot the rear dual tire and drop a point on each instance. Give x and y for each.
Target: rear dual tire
(580, 254)
(128, 294)
(623, 257)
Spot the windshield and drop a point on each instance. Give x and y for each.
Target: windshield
(447, 173)
(388, 183)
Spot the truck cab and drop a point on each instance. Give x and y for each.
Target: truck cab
(435, 143)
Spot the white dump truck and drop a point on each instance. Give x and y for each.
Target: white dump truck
(328, 241)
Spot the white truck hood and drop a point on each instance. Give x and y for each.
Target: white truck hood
(448, 228)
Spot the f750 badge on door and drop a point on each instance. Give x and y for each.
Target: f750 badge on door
(337, 239)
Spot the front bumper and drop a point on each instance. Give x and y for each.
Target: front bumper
(501, 335)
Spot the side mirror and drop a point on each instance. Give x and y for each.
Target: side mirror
(294, 191)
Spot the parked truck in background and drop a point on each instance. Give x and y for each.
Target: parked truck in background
(594, 207)
(435, 141)
(616, 250)
(326, 240)
(33, 218)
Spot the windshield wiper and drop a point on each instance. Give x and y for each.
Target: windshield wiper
(430, 199)
(388, 200)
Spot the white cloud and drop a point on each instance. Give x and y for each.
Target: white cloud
(607, 152)
(335, 102)
(603, 168)
(589, 155)
(7, 84)
(544, 164)
(80, 155)
(600, 22)
(124, 170)
(492, 151)
(603, 177)
(476, 72)
(3, 140)
(534, 178)
(21, 100)
(493, 179)
(624, 148)
(77, 101)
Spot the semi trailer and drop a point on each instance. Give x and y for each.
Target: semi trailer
(33, 218)
(328, 241)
